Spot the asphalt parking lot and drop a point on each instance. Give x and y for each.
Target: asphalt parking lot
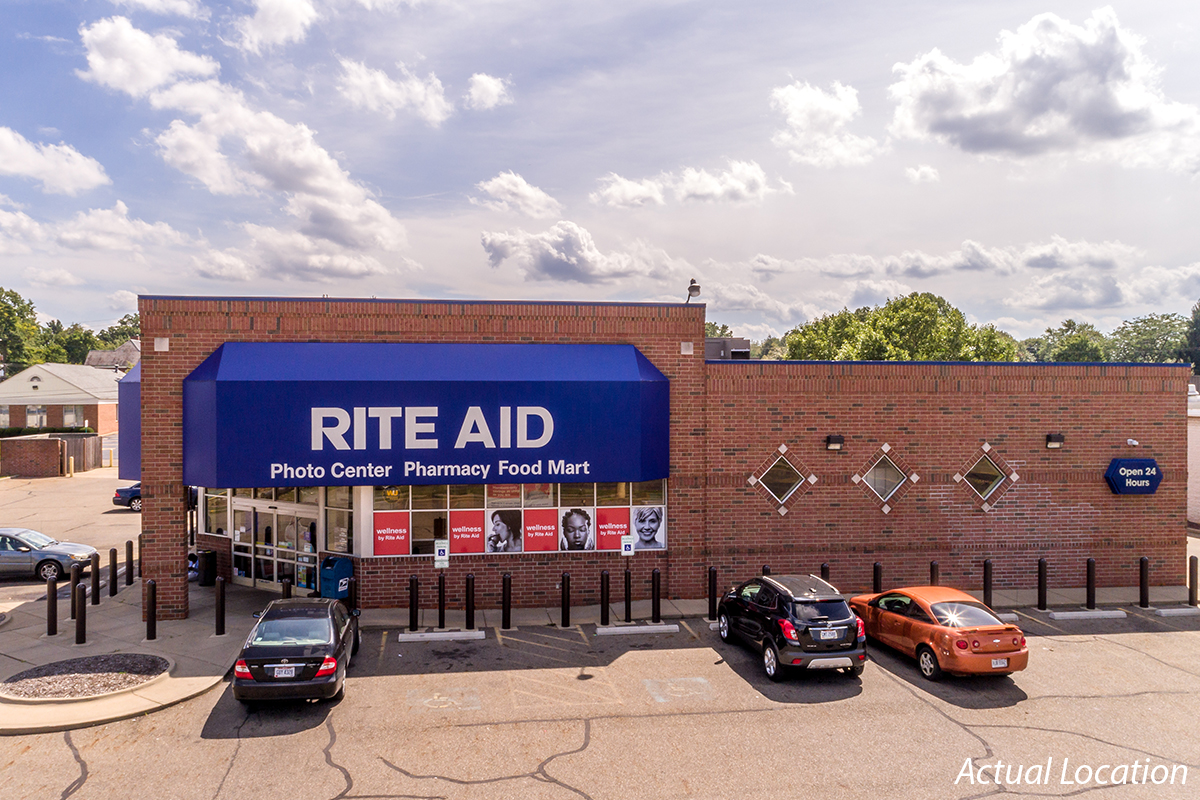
(560, 713)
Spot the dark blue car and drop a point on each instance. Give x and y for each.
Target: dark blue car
(130, 497)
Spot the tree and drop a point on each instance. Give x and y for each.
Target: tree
(770, 349)
(714, 331)
(127, 327)
(78, 341)
(1154, 338)
(1189, 351)
(919, 327)
(1078, 347)
(1055, 340)
(18, 331)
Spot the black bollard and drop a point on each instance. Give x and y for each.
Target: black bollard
(1091, 584)
(129, 562)
(604, 597)
(1144, 582)
(766, 569)
(51, 607)
(287, 589)
(655, 599)
(141, 551)
(712, 594)
(566, 600)
(470, 601)
(76, 574)
(95, 568)
(1194, 580)
(151, 610)
(220, 592)
(506, 601)
(987, 582)
(934, 573)
(81, 619)
(825, 571)
(413, 608)
(441, 600)
(1041, 584)
(352, 593)
(112, 572)
(628, 595)
(877, 577)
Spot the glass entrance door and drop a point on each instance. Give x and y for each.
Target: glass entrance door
(274, 542)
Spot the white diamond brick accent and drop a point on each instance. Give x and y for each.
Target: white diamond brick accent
(783, 448)
(886, 447)
(886, 508)
(855, 478)
(986, 447)
(782, 511)
(1015, 477)
(957, 478)
(752, 481)
(812, 478)
(914, 477)
(986, 507)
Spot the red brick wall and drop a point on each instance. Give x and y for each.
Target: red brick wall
(54, 416)
(16, 416)
(726, 421)
(31, 458)
(102, 417)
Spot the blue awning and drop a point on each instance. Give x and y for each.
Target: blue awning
(129, 424)
(329, 414)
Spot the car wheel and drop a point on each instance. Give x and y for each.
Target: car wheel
(856, 671)
(928, 664)
(135, 504)
(50, 569)
(771, 661)
(723, 627)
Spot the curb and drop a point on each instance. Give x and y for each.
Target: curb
(442, 636)
(626, 630)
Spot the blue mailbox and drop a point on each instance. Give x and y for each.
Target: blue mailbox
(335, 577)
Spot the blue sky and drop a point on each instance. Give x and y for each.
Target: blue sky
(1028, 161)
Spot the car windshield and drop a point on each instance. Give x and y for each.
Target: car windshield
(809, 611)
(964, 615)
(35, 539)
(292, 632)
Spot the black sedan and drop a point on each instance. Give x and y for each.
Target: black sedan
(797, 622)
(129, 496)
(299, 650)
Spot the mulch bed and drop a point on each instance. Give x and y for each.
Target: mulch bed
(85, 677)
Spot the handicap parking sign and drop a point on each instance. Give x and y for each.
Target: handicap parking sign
(441, 553)
(627, 544)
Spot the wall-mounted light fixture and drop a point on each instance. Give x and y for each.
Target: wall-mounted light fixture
(1054, 441)
(693, 291)
(834, 441)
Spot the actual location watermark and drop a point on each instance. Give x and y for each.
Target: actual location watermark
(1064, 772)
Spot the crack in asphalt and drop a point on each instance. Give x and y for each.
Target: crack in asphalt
(539, 774)
(237, 749)
(329, 760)
(77, 784)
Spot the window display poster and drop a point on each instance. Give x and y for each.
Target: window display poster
(540, 530)
(466, 531)
(611, 525)
(392, 533)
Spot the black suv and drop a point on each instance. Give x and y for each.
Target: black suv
(796, 621)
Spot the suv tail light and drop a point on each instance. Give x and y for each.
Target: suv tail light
(240, 670)
(862, 628)
(789, 631)
(328, 667)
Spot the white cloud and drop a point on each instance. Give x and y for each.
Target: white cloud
(1057, 254)
(122, 57)
(275, 22)
(621, 192)
(741, 297)
(61, 168)
(1051, 87)
(922, 173)
(566, 252)
(743, 182)
(122, 300)
(183, 8)
(510, 192)
(374, 90)
(18, 231)
(816, 122)
(112, 229)
(873, 292)
(485, 92)
(52, 276)
(223, 266)
(1069, 289)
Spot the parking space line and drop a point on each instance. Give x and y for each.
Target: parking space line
(552, 637)
(688, 628)
(539, 644)
(1040, 621)
(382, 646)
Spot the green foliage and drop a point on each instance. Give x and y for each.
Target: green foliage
(1189, 351)
(18, 331)
(714, 331)
(77, 341)
(1078, 347)
(770, 349)
(919, 327)
(1067, 343)
(1154, 338)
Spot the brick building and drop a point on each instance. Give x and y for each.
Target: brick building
(790, 464)
(60, 396)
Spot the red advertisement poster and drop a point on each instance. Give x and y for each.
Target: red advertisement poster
(541, 529)
(392, 533)
(466, 531)
(611, 525)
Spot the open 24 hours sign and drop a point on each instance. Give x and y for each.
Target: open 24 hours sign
(1133, 475)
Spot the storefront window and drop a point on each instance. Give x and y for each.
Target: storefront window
(427, 526)
(264, 494)
(339, 536)
(338, 497)
(650, 493)
(286, 494)
(612, 494)
(216, 512)
(391, 498)
(539, 495)
(308, 495)
(243, 492)
(466, 496)
(504, 495)
(576, 494)
(429, 497)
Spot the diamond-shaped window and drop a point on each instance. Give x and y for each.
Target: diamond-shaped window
(984, 477)
(781, 479)
(884, 478)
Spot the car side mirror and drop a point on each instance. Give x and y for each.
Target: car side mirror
(355, 612)
(24, 549)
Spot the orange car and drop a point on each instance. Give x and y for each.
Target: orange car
(944, 629)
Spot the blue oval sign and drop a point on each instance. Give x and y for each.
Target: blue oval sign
(1133, 476)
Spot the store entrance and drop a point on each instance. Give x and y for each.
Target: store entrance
(274, 542)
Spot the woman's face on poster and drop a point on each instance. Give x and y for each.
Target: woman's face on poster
(647, 526)
(576, 531)
(499, 529)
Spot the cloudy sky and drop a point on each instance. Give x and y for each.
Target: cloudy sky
(1028, 161)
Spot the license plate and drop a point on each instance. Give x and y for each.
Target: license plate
(999, 663)
(831, 633)
(290, 672)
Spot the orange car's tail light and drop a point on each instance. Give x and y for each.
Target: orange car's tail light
(975, 644)
(862, 629)
(1019, 642)
(789, 631)
(961, 644)
(240, 670)
(328, 667)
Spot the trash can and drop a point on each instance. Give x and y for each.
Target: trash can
(335, 577)
(206, 567)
